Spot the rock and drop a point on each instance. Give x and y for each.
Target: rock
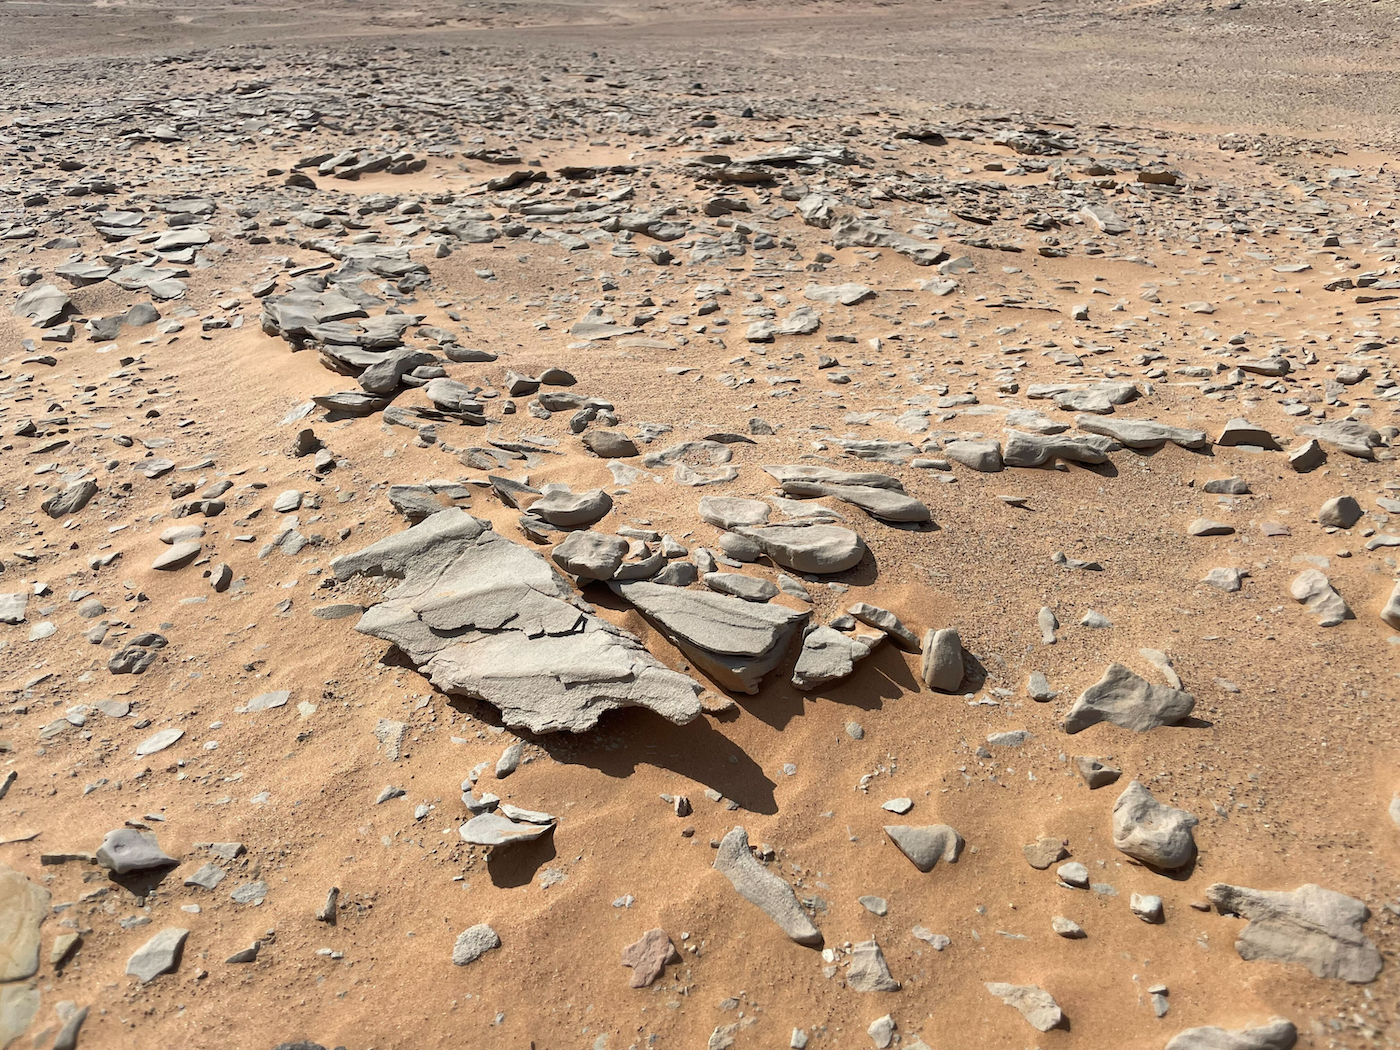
(161, 954)
(1047, 622)
(881, 1031)
(1045, 851)
(572, 510)
(874, 905)
(492, 829)
(942, 664)
(1228, 580)
(1313, 589)
(883, 503)
(1156, 834)
(509, 761)
(884, 620)
(1316, 928)
(838, 294)
(1034, 1003)
(1307, 457)
(12, 607)
(23, 907)
(1242, 432)
(1033, 450)
(72, 1019)
(1278, 1034)
(1390, 612)
(207, 877)
(485, 617)
(72, 499)
(1226, 487)
(1350, 436)
(868, 971)
(245, 955)
(829, 656)
(159, 741)
(1142, 433)
(609, 444)
(819, 549)
(590, 555)
(44, 305)
(926, 846)
(326, 912)
(1066, 928)
(728, 512)
(1341, 512)
(127, 849)
(984, 456)
(1207, 527)
(1128, 700)
(648, 957)
(472, 943)
(733, 641)
(749, 588)
(18, 1005)
(266, 702)
(178, 556)
(1095, 773)
(762, 888)
(1147, 907)
(1073, 874)
(1038, 688)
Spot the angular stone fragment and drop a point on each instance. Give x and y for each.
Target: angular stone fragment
(161, 954)
(883, 503)
(1095, 773)
(1341, 512)
(127, 849)
(736, 584)
(1034, 1003)
(727, 512)
(571, 510)
(18, 1005)
(72, 499)
(983, 456)
(1128, 700)
(12, 607)
(942, 664)
(1351, 436)
(474, 942)
(1225, 579)
(1278, 1034)
(492, 829)
(1307, 457)
(178, 556)
(927, 845)
(1142, 433)
(1317, 928)
(760, 887)
(1147, 830)
(1033, 450)
(1242, 432)
(884, 620)
(609, 444)
(482, 616)
(733, 641)
(1045, 851)
(829, 656)
(648, 956)
(868, 971)
(1313, 589)
(1067, 928)
(590, 555)
(1207, 527)
(1390, 612)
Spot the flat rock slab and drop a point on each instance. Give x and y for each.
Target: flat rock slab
(759, 886)
(648, 956)
(829, 656)
(161, 954)
(1278, 1034)
(178, 556)
(474, 942)
(127, 849)
(492, 829)
(1147, 830)
(1034, 1003)
(726, 512)
(1142, 433)
(1033, 450)
(819, 549)
(1314, 927)
(868, 970)
(927, 845)
(733, 641)
(1128, 700)
(159, 741)
(484, 617)
(23, 907)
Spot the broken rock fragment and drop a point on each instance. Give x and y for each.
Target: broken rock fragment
(1128, 700)
(1147, 830)
(161, 954)
(648, 957)
(868, 971)
(1278, 1034)
(829, 656)
(1314, 927)
(474, 942)
(926, 846)
(127, 849)
(759, 886)
(1035, 1004)
(1315, 591)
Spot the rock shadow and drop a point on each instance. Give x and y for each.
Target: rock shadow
(516, 864)
(143, 882)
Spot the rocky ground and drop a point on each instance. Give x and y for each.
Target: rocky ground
(672, 528)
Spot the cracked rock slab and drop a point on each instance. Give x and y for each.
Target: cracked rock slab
(760, 887)
(1128, 700)
(484, 617)
(1314, 927)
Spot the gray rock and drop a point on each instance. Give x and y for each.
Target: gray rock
(253, 893)
(1073, 874)
(1044, 851)
(749, 588)
(1226, 487)
(881, 1031)
(1316, 928)
(884, 620)
(245, 955)
(883, 503)
(207, 877)
(1047, 622)
(1142, 433)
(1038, 687)
(838, 294)
(759, 886)
(1314, 590)
(161, 954)
(1207, 527)
(1146, 906)
(1390, 612)
(942, 664)
(1149, 831)
(874, 905)
(848, 231)
(829, 656)
(1307, 457)
(1341, 512)
(127, 849)
(1128, 700)
(12, 607)
(1034, 1003)
(472, 943)
(609, 444)
(590, 555)
(927, 845)
(1225, 579)
(23, 907)
(1033, 450)
(266, 702)
(72, 499)
(1350, 436)
(572, 510)
(178, 556)
(1242, 432)
(984, 456)
(484, 617)
(72, 1019)
(728, 512)
(733, 641)
(509, 761)
(284, 504)
(493, 829)
(1095, 773)
(1067, 928)
(1278, 1034)
(44, 305)
(18, 1005)
(159, 741)
(819, 549)
(385, 375)
(868, 971)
